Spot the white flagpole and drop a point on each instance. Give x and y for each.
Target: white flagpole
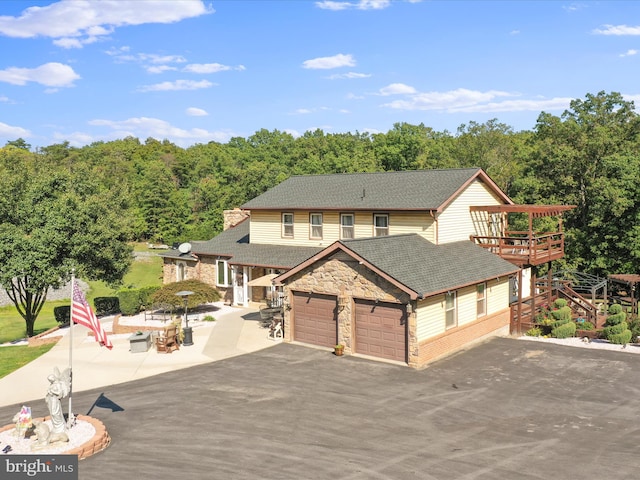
(70, 419)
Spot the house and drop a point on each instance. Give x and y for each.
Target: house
(401, 266)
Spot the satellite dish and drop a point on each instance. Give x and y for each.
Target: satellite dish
(184, 248)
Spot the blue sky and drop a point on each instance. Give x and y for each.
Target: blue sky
(193, 72)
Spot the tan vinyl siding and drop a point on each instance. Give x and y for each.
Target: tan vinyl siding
(430, 314)
(430, 317)
(467, 311)
(455, 223)
(497, 295)
(266, 226)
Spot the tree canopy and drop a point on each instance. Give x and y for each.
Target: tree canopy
(53, 222)
(587, 156)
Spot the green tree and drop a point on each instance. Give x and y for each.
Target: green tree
(51, 222)
(588, 157)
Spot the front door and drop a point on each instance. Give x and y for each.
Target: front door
(240, 286)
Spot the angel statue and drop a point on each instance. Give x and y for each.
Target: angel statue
(60, 387)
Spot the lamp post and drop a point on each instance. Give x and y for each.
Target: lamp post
(188, 333)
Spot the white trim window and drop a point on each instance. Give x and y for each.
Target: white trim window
(481, 299)
(315, 226)
(450, 310)
(223, 273)
(380, 224)
(347, 226)
(287, 225)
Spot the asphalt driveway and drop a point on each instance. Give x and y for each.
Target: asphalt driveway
(506, 409)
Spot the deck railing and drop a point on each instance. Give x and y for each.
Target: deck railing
(521, 249)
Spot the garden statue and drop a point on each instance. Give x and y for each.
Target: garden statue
(59, 388)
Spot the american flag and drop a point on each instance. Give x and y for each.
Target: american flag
(83, 314)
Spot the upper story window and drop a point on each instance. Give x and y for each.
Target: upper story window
(287, 225)
(450, 310)
(181, 268)
(347, 228)
(223, 273)
(481, 299)
(380, 224)
(315, 221)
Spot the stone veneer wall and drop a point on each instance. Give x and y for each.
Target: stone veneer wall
(233, 217)
(334, 276)
(460, 337)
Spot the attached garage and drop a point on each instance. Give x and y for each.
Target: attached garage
(381, 330)
(315, 319)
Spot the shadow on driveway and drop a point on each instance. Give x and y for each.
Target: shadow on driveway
(506, 409)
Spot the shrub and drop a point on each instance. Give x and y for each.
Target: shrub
(62, 314)
(129, 301)
(621, 338)
(209, 318)
(106, 305)
(617, 329)
(615, 315)
(202, 293)
(560, 303)
(558, 323)
(583, 324)
(146, 295)
(634, 326)
(562, 313)
(565, 330)
(534, 332)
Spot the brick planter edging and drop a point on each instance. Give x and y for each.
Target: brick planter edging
(117, 328)
(38, 340)
(97, 443)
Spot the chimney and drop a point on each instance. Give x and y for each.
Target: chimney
(234, 217)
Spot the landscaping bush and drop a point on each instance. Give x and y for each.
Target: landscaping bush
(559, 323)
(583, 324)
(534, 332)
(146, 295)
(562, 311)
(634, 326)
(565, 330)
(615, 315)
(106, 305)
(129, 301)
(62, 314)
(202, 293)
(614, 330)
(560, 303)
(621, 338)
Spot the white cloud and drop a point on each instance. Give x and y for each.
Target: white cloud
(336, 61)
(143, 127)
(514, 32)
(350, 75)
(75, 139)
(397, 89)
(617, 30)
(629, 53)
(4, 99)
(177, 85)
(357, 5)
(196, 112)
(206, 68)
(73, 23)
(160, 68)
(10, 131)
(49, 74)
(464, 100)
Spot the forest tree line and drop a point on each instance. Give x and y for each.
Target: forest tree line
(588, 156)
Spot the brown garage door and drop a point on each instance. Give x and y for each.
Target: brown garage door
(381, 330)
(314, 319)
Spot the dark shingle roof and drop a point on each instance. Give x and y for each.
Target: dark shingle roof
(234, 243)
(406, 190)
(427, 268)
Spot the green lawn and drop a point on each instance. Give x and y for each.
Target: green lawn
(145, 271)
(12, 358)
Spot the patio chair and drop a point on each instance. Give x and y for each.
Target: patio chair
(275, 330)
(167, 340)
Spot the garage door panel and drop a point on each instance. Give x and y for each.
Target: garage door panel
(314, 319)
(380, 330)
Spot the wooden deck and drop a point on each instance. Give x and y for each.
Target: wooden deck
(521, 249)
